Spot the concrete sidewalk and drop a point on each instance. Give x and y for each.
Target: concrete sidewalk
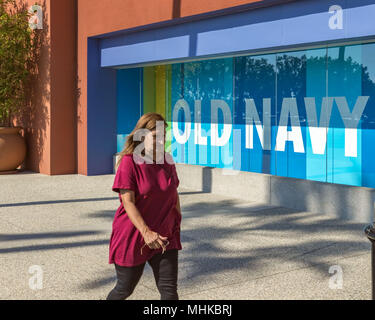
(231, 249)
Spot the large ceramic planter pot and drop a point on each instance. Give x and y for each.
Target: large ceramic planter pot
(12, 149)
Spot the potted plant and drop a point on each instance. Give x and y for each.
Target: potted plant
(16, 44)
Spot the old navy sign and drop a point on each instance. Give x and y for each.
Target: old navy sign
(318, 128)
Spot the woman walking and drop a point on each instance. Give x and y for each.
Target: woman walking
(146, 226)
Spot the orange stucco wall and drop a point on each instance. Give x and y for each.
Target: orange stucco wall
(63, 57)
(35, 119)
(49, 122)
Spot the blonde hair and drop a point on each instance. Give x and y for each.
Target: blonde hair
(147, 121)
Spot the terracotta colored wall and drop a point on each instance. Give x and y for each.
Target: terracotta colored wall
(63, 83)
(98, 17)
(50, 121)
(35, 119)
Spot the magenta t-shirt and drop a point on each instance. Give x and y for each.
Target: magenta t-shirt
(155, 187)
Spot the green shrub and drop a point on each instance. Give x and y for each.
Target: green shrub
(16, 43)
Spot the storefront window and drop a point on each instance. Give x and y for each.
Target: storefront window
(307, 114)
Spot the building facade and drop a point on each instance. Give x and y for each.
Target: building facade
(274, 87)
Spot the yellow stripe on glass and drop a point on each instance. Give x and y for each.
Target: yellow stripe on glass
(157, 94)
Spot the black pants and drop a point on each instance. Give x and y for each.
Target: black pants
(164, 267)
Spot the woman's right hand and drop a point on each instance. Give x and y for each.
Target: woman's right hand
(154, 240)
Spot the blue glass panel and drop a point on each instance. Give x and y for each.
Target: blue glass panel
(316, 88)
(128, 99)
(291, 83)
(121, 139)
(344, 80)
(255, 78)
(368, 123)
(215, 82)
(191, 72)
(179, 151)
